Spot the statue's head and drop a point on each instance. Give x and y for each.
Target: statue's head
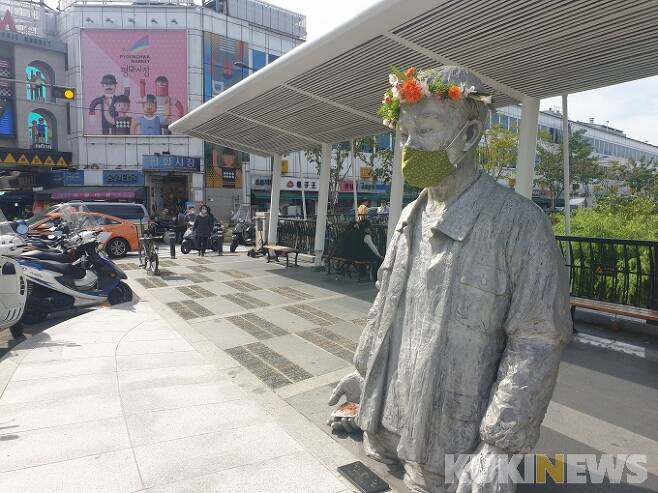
(441, 115)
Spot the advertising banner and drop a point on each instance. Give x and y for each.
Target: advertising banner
(223, 167)
(220, 55)
(134, 82)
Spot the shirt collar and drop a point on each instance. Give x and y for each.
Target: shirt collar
(459, 217)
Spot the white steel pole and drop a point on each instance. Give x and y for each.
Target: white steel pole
(274, 201)
(525, 163)
(354, 193)
(397, 187)
(323, 202)
(301, 177)
(565, 156)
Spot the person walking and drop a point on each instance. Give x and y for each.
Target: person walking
(202, 228)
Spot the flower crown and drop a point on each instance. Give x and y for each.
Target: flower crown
(411, 87)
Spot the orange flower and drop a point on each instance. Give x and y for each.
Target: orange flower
(411, 91)
(410, 72)
(455, 93)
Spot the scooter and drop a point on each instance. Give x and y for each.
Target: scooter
(244, 233)
(56, 282)
(13, 291)
(215, 240)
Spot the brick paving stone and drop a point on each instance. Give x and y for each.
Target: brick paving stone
(241, 285)
(236, 274)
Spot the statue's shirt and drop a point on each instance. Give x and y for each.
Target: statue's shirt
(407, 334)
(463, 341)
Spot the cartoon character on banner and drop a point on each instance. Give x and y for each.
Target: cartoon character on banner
(165, 103)
(149, 123)
(107, 102)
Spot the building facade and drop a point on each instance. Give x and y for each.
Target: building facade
(33, 123)
(139, 67)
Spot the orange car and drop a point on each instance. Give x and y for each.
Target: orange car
(124, 234)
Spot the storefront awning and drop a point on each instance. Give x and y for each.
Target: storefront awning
(92, 193)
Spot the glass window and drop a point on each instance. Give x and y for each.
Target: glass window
(504, 121)
(271, 57)
(259, 59)
(495, 118)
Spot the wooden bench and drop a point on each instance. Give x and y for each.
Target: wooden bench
(616, 309)
(276, 250)
(344, 266)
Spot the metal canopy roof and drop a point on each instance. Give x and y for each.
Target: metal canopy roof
(328, 90)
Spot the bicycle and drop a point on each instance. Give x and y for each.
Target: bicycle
(148, 251)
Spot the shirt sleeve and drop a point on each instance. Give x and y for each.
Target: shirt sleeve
(367, 239)
(538, 326)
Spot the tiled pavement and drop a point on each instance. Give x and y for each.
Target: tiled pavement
(276, 338)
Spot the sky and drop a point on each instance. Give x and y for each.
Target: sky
(631, 107)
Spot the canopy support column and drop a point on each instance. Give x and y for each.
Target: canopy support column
(397, 188)
(525, 163)
(565, 156)
(274, 201)
(323, 202)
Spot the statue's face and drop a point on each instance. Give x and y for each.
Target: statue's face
(432, 124)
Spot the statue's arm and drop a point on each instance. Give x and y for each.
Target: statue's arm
(538, 326)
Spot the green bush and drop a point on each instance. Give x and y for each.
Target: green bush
(630, 218)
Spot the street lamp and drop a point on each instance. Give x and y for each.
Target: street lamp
(242, 67)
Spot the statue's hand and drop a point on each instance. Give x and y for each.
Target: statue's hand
(350, 387)
(486, 472)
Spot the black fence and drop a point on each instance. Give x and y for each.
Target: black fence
(297, 233)
(612, 270)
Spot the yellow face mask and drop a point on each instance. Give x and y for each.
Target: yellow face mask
(423, 169)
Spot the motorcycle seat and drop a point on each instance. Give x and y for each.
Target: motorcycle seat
(70, 270)
(50, 256)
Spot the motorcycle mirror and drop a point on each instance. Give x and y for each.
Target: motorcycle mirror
(52, 228)
(51, 237)
(21, 229)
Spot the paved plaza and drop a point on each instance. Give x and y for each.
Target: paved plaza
(216, 379)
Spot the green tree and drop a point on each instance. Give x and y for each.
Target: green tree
(340, 153)
(583, 166)
(378, 159)
(640, 176)
(499, 151)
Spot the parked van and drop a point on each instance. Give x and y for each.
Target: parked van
(129, 211)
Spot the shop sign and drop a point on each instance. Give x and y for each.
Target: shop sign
(31, 157)
(261, 182)
(309, 184)
(64, 178)
(171, 163)
(346, 186)
(382, 188)
(366, 187)
(122, 178)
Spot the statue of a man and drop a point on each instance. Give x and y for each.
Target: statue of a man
(461, 350)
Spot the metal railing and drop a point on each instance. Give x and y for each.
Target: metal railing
(603, 269)
(612, 270)
(297, 233)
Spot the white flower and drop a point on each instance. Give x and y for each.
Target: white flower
(386, 122)
(467, 90)
(393, 79)
(396, 92)
(425, 88)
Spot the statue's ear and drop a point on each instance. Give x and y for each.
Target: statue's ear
(473, 134)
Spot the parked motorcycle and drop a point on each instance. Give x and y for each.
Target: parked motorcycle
(215, 240)
(244, 232)
(79, 275)
(13, 291)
